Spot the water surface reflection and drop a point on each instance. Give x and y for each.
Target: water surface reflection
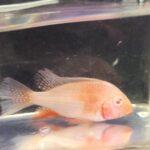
(80, 137)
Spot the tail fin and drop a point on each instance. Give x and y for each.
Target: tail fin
(16, 96)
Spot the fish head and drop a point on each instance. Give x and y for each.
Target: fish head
(116, 105)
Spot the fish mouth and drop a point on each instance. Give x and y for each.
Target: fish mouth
(127, 110)
(130, 111)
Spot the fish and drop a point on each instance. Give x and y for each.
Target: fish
(102, 136)
(88, 100)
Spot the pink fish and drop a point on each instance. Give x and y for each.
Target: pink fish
(83, 99)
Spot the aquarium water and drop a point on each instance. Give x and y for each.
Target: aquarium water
(106, 40)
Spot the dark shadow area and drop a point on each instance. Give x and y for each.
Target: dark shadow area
(111, 50)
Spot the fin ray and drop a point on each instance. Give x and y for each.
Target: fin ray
(45, 79)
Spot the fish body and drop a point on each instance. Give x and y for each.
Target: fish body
(92, 100)
(89, 100)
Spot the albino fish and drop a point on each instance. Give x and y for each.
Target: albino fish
(81, 137)
(88, 99)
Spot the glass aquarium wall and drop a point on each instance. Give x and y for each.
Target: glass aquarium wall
(66, 41)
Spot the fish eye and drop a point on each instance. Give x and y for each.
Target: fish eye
(118, 101)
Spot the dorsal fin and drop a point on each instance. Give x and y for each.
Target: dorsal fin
(45, 79)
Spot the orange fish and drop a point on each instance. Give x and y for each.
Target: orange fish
(80, 137)
(88, 99)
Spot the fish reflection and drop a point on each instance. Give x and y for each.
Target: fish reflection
(82, 137)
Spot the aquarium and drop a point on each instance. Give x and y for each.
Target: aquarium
(74, 75)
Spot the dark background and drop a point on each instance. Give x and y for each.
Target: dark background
(82, 49)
